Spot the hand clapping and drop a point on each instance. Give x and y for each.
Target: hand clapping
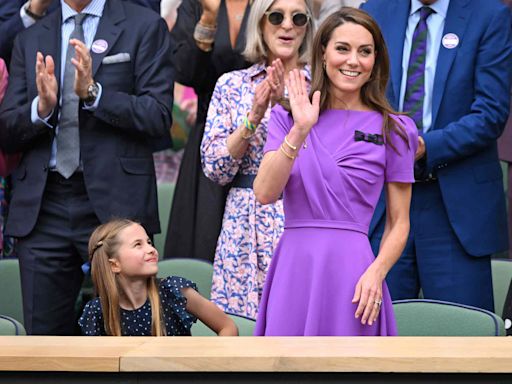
(275, 79)
(83, 64)
(46, 84)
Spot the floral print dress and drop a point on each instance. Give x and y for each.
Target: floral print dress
(250, 231)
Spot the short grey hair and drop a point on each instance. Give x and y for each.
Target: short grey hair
(255, 48)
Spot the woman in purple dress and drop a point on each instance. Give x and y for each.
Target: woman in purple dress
(324, 278)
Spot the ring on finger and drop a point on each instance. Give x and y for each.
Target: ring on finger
(378, 302)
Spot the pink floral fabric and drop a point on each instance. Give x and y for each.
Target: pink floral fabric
(250, 231)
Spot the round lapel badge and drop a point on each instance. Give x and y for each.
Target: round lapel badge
(99, 46)
(450, 40)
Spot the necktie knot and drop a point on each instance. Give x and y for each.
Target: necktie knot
(79, 18)
(425, 12)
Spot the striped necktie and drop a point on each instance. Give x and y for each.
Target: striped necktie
(68, 140)
(415, 89)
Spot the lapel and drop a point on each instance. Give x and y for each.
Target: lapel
(396, 21)
(108, 30)
(50, 39)
(456, 20)
(49, 43)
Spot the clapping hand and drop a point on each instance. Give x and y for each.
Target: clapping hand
(83, 68)
(46, 84)
(275, 78)
(304, 111)
(260, 102)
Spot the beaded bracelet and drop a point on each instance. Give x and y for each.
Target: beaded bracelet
(250, 126)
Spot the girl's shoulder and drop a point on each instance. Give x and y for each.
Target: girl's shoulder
(172, 286)
(178, 319)
(91, 321)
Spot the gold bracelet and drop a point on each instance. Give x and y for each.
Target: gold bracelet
(292, 147)
(291, 157)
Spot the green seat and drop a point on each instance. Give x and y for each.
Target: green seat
(11, 303)
(440, 318)
(501, 277)
(11, 327)
(165, 194)
(199, 271)
(244, 324)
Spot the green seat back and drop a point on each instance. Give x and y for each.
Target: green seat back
(441, 318)
(199, 271)
(11, 327)
(11, 303)
(165, 194)
(501, 278)
(244, 324)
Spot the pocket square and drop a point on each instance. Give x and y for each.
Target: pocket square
(117, 58)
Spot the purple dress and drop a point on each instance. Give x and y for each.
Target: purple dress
(329, 201)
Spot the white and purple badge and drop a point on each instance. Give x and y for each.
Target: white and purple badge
(99, 46)
(450, 40)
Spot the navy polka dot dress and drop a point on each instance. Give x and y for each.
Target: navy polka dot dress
(138, 322)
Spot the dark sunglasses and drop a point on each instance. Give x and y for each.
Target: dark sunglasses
(299, 19)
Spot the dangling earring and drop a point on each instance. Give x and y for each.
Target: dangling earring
(324, 66)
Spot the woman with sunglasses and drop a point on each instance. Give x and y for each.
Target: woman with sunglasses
(330, 154)
(279, 35)
(209, 37)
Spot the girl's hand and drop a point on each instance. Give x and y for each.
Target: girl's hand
(368, 294)
(260, 103)
(275, 78)
(305, 112)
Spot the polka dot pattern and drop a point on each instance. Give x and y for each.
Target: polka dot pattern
(137, 322)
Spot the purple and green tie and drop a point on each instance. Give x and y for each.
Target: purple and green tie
(415, 89)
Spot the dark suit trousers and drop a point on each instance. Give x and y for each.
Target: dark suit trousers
(52, 255)
(433, 258)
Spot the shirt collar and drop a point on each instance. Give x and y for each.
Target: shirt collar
(259, 68)
(94, 8)
(440, 7)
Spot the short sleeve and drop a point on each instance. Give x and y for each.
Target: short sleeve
(177, 320)
(279, 125)
(91, 321)
(400, 162)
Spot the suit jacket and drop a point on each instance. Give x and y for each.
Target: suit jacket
(11, 23)
(115, 139)
(470, 106)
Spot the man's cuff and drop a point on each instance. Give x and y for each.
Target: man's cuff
(25, 18)
(34, 116)
(94, 106)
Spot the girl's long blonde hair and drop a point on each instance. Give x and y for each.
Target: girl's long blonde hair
(103, 246)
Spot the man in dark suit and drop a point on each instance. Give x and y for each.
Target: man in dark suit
(458, 207)
(81, 164)
(16, 15)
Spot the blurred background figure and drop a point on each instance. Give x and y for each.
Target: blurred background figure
(323, 8)
(7, 163)
(184, 113)
(208, 39)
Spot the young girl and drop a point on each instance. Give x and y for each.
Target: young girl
(132, 302)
